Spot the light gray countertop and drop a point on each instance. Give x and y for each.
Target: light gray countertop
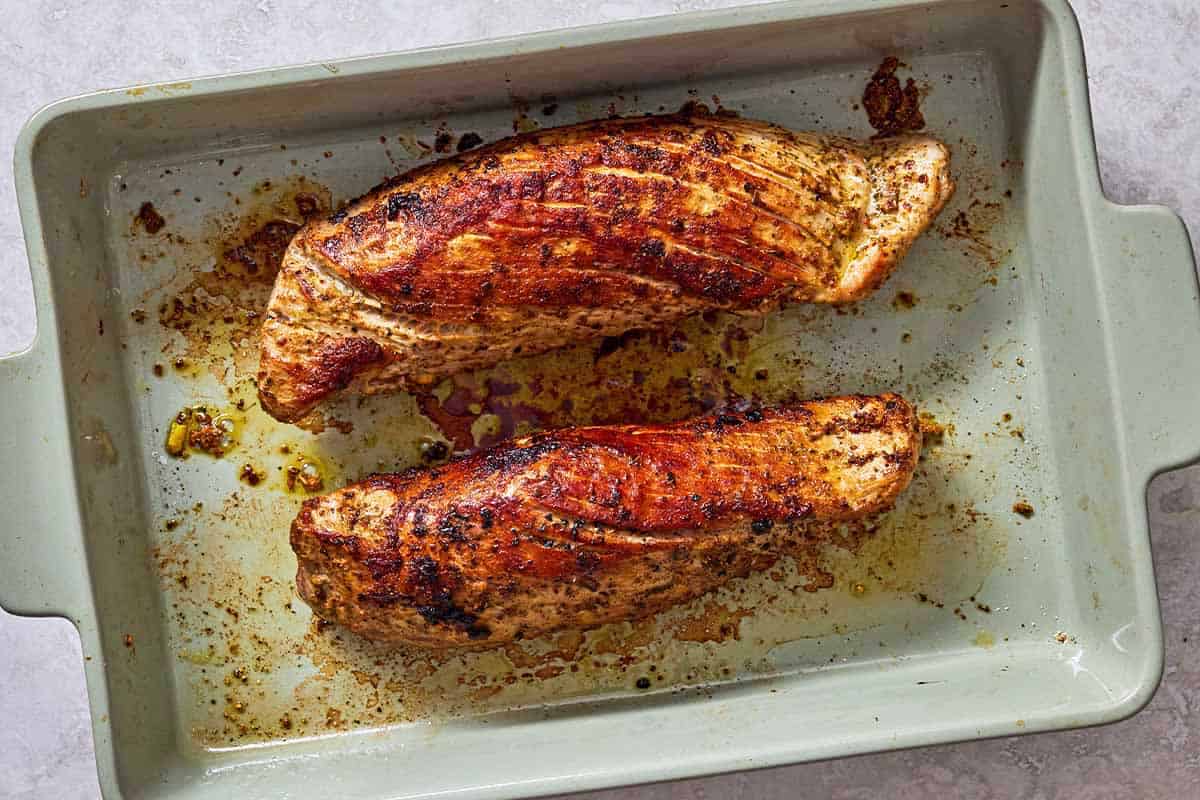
(1143, 62)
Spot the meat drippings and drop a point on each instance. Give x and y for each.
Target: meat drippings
(892, 108)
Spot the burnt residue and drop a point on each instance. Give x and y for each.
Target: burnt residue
(304, 475)
(522, 123)
(404, 202)
(972, 225)
(1024, 508)
(694, 108)
(892, 108)
(206, 434)
(469, 141)
(199, 429)
(308, 205)
(251, 475)
(717, 623)
(149, 219)
(262, 251)
(433, 450)
(218, 312)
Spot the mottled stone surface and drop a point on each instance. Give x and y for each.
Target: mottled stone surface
(1143, 62)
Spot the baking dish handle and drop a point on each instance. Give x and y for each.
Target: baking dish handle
(1154, 300)
(43, 569)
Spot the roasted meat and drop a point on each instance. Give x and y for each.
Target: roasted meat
(569, 234)
(582, 526)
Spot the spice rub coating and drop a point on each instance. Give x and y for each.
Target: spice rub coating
(569, 234)
(579, 527)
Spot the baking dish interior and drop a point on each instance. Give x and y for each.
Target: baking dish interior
(1039, 623)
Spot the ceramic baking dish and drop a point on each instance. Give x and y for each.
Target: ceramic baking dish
(1052, 333)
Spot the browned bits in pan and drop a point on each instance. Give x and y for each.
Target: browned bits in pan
(250, 476)
(890, 107)
(469, 141)
(149, 218)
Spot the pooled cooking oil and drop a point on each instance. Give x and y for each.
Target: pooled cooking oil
(304, 475)
(202, 429)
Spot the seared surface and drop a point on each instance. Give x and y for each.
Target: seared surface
(573, 233)
(578, 527)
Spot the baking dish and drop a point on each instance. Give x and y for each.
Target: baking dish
(1074, 317)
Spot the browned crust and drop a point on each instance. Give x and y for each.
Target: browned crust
(578, 527)
(335, 364)
(572, 233)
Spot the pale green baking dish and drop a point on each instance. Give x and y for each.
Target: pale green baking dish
(1082, 322)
